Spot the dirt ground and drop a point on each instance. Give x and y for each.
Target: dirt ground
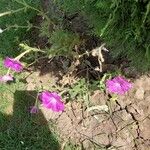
(126, 126)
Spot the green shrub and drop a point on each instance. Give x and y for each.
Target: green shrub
(16, 24)
(63, 43)
(123, 25)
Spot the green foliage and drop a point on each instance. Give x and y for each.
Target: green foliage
(82, 89)
(63, 43)
(79, 90)
(123, 25)
(15, 24)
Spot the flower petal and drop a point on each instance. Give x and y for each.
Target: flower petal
(6, 78)
(51, 100)
(118, 85)
(13, 64)
(33, 110)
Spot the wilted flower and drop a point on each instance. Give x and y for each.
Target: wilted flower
(51, 100)
(118, 85)
(13, 64)
(6, 78)
(34, 109)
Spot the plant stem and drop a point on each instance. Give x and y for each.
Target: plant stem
(27, 50)
(8, 71)
(39, 11)
(11, 12)
(22, 54)
(36, 100)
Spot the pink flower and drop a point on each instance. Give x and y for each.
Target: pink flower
(51, 100)
(34, 109)
(13, 64)
(118, 85)
(6, 78)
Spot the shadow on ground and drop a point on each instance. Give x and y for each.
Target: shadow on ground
(25, 131)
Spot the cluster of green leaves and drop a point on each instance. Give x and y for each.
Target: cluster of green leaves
(82, 89)
(79, 90)
(62, 43)
(15, 24)
(123, 25)
(61, 40)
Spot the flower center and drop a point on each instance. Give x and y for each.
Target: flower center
(52, 100)
(117, 85)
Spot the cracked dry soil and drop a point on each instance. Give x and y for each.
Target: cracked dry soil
(125, 127)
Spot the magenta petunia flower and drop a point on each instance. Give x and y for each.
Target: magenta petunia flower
(118, 85)
(51, 100)
(34, 109)
(6, 78)
(13, 64)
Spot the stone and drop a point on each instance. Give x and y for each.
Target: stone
(144, 129)
(139, 94)
(87, 144)
(146, 83)
(143, 82)
(147, 98)
(98, 98)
